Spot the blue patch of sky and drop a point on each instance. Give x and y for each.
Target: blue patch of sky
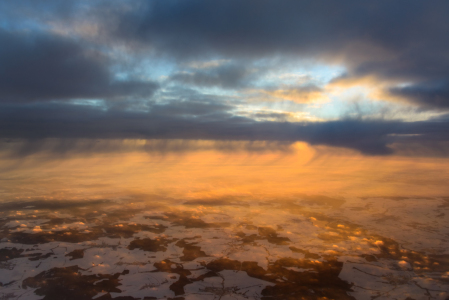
(144, 69)
(299, 72)
(355, 102)
(24, 25)
(97, 103)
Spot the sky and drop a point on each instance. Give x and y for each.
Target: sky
(205, 99)
(370, 77)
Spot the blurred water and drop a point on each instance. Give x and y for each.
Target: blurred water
(209, 225)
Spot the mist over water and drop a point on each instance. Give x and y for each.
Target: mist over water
(206, 169)
(223, 223)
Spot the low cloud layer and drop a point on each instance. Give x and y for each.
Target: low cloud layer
(208, 122)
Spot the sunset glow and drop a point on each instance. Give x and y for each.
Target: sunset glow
(225, 149)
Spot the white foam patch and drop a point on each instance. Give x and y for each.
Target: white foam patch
(139, 285)
(229, 285)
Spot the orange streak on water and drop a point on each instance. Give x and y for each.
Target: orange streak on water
(212, 174)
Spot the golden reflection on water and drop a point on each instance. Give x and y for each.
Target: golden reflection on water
(311, 223)
(210, 173)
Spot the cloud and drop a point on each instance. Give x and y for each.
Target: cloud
(430, 94)
(42, 67)
(57, 54)
(224, 76)
(167, 121)
(400, 42)
(307, 93)
(63, 147)
(257, 28)
(403, 41)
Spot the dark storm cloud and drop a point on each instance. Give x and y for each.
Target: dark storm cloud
(433, 94)
(187, 28)
(40, 67)
(172, 121)
(190, 109)
(265, 27)
(393, 40)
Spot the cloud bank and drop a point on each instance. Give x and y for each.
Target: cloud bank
(201, 70)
